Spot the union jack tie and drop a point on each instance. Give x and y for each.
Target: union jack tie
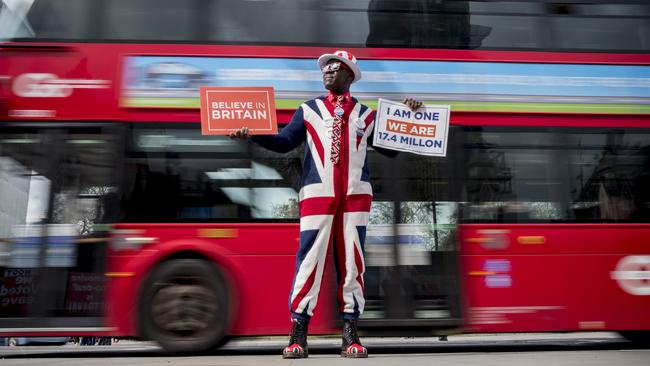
(336, 130)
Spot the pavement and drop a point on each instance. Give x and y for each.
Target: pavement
(500, 342)
(512, 349)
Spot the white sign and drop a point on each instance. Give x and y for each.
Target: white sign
(422, 132)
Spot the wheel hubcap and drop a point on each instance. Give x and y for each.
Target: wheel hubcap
(184, 309)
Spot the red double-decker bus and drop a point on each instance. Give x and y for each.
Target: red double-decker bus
(118, 218)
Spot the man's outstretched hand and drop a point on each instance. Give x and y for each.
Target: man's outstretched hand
(412, 103)
(242, 133)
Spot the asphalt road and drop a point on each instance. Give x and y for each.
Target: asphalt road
(592, 349)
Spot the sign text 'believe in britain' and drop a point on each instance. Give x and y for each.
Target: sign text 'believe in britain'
(226, 109)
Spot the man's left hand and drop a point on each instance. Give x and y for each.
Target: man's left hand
(412, 103)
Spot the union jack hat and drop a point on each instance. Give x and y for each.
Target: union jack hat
(345, 57)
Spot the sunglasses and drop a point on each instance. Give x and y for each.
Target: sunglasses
(334, 66)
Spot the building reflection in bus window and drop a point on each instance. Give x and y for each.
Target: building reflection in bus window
(410, 263)
(460, 24)
(88, 163)
(55, 180)
(564, 175)
(265, 202)
(419, 23)
(24, 201)
(25, 190)
(206, 178)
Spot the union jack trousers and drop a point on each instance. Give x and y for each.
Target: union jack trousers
(335, 201)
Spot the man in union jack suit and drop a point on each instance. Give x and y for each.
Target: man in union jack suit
(335, 198)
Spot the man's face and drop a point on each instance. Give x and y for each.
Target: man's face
(337, 77)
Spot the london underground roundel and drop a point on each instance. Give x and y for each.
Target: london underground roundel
(633, 274)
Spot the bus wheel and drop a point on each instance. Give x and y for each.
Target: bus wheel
(637, 336)
(184, 306)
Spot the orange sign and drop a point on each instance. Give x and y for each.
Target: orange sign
(226, 109)
(411, 128)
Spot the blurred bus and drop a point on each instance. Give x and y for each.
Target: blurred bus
(117, 218)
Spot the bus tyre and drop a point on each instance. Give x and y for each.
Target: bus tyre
(184, 306)
(637, 336)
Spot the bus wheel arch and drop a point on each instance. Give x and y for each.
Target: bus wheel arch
(184, 304)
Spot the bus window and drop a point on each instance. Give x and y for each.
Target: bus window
(613, 26)
(562, 175)
(87, 190)
(150, 19)
(510, 24)
(205, 178)
(611, 173)
(417, 23)
(514, 177)
(599, 26)
(59, 180)
(23, 183)
(60, 19)
(277, 178)
(269, 22)
(12, 20)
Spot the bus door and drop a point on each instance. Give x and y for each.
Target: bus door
(412, 280)
(58, 187)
